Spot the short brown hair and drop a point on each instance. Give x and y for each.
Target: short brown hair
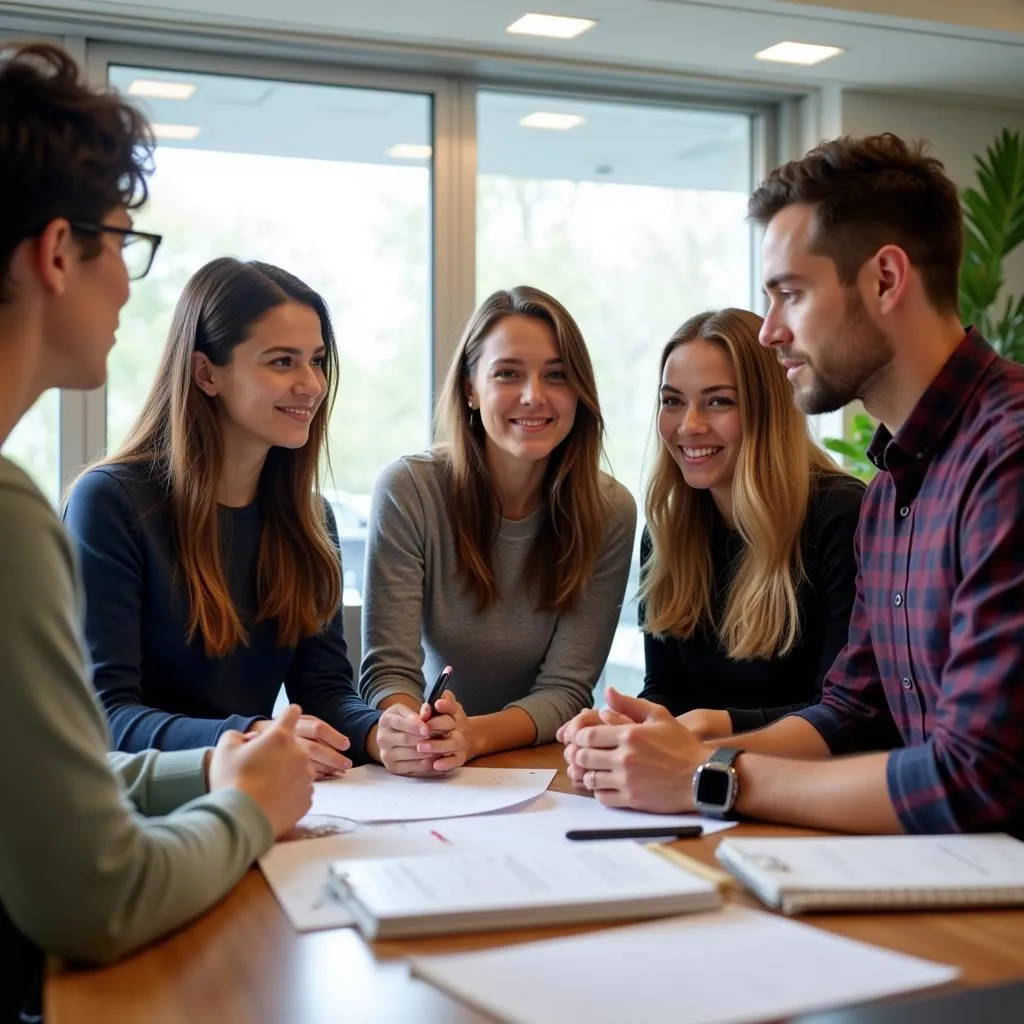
(869, 192)
(65, 150)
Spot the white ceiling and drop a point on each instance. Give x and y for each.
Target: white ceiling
(948, 46)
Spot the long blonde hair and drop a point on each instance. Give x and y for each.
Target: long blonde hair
(562, 560)
(177, 437)
(777, 468)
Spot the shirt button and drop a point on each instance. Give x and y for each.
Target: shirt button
(905, 511)
(905, 683)
(898, 600)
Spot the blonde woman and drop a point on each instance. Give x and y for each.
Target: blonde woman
(503, 552)
(748, 568)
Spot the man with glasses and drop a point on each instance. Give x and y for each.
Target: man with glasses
(81, 875)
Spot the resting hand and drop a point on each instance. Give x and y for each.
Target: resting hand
(646, 765)
(450, 734)
(272, 768)
(706, 723)
(423, 743)
(323, 745)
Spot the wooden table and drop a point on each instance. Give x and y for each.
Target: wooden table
(244, 964)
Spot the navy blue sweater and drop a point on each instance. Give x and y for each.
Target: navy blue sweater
(158, 689)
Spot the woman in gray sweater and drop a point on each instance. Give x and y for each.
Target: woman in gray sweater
(503, 552)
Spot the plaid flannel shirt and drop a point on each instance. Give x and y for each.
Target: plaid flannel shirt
(934, 666)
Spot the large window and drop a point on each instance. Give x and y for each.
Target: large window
(334, 185)
(34, 444)
(633, 217)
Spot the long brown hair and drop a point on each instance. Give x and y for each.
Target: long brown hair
(562, 559)
(178, 437)
(776, 471)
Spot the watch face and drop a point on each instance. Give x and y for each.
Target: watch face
(713, 787)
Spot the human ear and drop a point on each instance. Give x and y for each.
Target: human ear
(202, 374)
(54, 253)
(891, 275)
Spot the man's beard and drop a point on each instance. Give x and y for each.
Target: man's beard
(856, 354)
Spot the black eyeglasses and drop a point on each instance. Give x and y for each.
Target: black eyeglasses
(138, 248)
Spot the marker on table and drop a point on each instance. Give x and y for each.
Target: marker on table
(656, 832)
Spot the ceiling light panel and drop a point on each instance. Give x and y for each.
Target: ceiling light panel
(551, 25)
(410, 151)
(799, 53)
(176, 132)
(153, 89)
(552, 121)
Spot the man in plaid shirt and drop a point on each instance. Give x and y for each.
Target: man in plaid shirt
(861, 260)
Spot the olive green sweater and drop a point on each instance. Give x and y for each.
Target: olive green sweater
(99, 855)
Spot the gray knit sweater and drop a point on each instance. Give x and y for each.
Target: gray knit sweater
(417, 616)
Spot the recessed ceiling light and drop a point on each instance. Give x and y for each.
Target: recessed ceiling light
(799, 53)
(410, 151)
(552, 25)
(161, 90)
(555, 122)
(182, 132)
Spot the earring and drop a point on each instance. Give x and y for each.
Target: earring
(472, 410)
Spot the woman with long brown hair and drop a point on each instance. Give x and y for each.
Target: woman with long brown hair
(503, 552)
(748, 569)
(210, 559)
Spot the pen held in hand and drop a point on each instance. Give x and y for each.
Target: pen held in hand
(655, 832)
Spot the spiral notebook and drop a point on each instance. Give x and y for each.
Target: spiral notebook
(879, 873)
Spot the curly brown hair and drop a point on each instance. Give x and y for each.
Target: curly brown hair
(66, 150)
(869, 192)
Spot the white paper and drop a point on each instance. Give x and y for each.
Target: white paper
(297, 871)
(569, 874)
(869, 863)
(371, 793)
(724, 967)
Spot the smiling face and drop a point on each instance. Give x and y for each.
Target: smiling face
(274, 383)
(520, 387)
(819, 328)
(699, 420)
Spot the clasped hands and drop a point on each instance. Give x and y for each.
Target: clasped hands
(423, 742)
(633, 754)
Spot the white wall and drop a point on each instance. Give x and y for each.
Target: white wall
(956, 130)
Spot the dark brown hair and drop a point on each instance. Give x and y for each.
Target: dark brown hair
(177, 436)
(564, 554)
(65, 150)
(871, 192)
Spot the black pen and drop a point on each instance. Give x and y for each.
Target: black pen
(657, 832)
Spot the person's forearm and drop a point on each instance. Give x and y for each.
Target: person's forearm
(791, 737)
(401, 698)
(135, 728)
(848, 794)
(503, 730)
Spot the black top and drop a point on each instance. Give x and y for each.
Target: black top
(696, 673)
(157, 689)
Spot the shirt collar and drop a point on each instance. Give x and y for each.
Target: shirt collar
(938, 409)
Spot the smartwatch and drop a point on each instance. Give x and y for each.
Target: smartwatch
(716, 784)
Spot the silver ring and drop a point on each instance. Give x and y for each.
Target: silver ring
(592, 784)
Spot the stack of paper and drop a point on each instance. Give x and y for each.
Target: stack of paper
(735, 965)
(297, 872)
(522, 887)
